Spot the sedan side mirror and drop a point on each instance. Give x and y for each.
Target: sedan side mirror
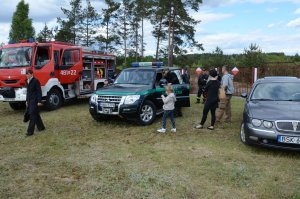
(244, 95)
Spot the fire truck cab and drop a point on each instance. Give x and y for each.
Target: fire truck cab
(65, 71)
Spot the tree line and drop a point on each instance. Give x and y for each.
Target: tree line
(119, 28)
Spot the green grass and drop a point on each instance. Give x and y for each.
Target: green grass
(76, 157)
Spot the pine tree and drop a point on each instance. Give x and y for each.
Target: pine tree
(124, 31)
(89, 23)
(21, 27)
(110, 38)
(45, 35)
(69, 27)
(178, 25)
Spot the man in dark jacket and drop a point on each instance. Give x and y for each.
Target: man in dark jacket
(33, 101)
(202, 80)
(171, 77)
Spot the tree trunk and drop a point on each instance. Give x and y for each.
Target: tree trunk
(125, 39)
(106, 43)
(142, 43)
(169, 38)
(172, 44)
(136, 42)
(158, 37)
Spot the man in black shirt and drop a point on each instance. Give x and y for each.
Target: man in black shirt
(202, 80)
(33, 101)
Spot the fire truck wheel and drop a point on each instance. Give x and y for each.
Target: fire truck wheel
(147, 113)
(17, 105)
(53, 100)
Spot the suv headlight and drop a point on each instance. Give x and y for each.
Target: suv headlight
(268, 124)
(93, 99)
(130, 99)
(256, 122)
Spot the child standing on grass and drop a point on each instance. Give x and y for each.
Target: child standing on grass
(169, 106)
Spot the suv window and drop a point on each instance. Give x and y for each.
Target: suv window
(139, 77)
(277, 91)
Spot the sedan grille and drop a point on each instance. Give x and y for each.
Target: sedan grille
(291, 126)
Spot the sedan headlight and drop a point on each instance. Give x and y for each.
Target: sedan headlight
(130, 99)
(256, 122)
(268, 124)
(93, 99)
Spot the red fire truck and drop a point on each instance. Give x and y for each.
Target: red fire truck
(65, 71)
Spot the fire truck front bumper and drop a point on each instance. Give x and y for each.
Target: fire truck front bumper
(8, 94)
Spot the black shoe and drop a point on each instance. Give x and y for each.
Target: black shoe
(42, 129)
(28, 134)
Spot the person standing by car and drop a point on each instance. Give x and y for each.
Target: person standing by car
(202, 80)
(169, 106)
(211, 104)
(185, 76)
(225, 104)
(33, 101)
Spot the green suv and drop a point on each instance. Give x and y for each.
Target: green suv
(136, 95)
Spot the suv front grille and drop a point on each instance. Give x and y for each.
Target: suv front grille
(291, 126)
(109, 99)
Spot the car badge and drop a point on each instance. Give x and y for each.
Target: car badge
(107, 100)
(295, 125)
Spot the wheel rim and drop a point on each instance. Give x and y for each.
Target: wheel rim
(242, 133)
(146, 113)
(54, 99)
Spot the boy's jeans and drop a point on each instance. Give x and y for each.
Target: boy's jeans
(168, 113)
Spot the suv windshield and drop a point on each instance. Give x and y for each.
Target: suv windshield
(276, 91)
(15, 57)
(138, 76)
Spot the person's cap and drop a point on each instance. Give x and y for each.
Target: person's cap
(213, 73)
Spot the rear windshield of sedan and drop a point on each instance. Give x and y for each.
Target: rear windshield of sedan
(277, 91)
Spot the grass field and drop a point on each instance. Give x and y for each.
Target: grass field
(77, 157)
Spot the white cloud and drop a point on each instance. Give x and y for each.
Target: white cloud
(235, 42)
(294, 23)
(271, 10)
(297, 11)
(271, 25)
(208, 16)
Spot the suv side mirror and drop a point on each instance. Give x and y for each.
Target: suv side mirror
(163, 83)
(244, 95)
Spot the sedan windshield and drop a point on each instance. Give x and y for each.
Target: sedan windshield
(15, 57)
(139, 77)
(277, 92)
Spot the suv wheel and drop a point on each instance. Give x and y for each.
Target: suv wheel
(147, 113)
(243, 136)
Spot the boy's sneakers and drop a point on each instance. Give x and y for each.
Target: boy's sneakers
(161, 130)
(173, 130)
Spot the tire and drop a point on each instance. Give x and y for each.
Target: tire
(98, 118)
(17, 105)
(147, 113)
(243, 135)
(53, 99)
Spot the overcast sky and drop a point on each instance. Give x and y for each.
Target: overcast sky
(230, 24)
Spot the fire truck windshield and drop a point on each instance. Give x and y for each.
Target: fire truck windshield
(15, 57)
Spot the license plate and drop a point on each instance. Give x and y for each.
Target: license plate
(106, 110)
(289, 139)
(109, 105)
